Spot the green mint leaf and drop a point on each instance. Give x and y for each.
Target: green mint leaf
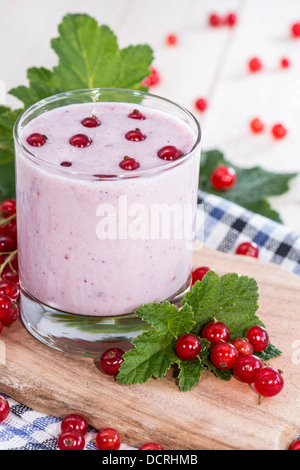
(231, 299)
(154, 350)
(254, 185)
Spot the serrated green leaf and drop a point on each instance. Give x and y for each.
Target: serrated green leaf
(154, 350)
(269, 353)
(253, 187)
(190, 373)
(231, 299)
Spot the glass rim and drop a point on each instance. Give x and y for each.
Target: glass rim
(86, 174)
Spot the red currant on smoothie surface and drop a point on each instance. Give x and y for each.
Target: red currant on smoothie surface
(223, 177)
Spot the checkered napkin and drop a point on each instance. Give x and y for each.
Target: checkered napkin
(222, 225)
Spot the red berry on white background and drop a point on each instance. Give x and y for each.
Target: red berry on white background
(231, 19)
(201, 104)
(172, 39)
(256, 125)
(255, 64)
(279, 131)
(36, 140)
(214, 20)
(285, 63)
(295, 30)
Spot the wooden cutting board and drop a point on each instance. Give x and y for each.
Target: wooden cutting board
(214, 415)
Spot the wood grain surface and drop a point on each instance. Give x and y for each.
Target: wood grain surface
(214, 415)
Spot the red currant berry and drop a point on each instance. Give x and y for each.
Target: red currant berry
(258, 337)
(7, 244)
(9, 228)
(224, 355)
(223, 178)
(111, 360)
(295, 30)
(246, 368)
(254, 64)
(108, 439)
(279, 131)
(66, 164)
(9, 311)
(231, 19)
(153, 79)
(214, 20)
(11, 276)
(80, 140)
(71, 440)
(284, 63)
(91, 122)
(256, 126)
(188, 347)
(10, 289)
(129, 164)
(169, 152)
(215, 332)
(243, 346)
(8, 208)
(135, 135)
(247, 249)
(74, 422)
(199, 274)
(268, 382)
(171, 39)
(136, 114)
(201, 104)
(151, 446)
(36, 140)
(295, 445)
(4, 408)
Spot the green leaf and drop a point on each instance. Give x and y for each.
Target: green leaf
(190, 373)
(7, 167)
(154, 351)
(253, 186)
(231, 299)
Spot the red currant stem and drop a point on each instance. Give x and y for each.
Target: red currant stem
(7, 261)
(5, 221)
(260, 399)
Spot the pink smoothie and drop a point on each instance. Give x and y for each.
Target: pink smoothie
(89, 241)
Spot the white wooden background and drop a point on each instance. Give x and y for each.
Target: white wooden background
(207, 62)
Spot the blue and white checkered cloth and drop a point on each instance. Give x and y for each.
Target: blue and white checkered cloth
(225, 226)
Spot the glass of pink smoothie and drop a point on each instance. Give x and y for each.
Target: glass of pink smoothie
(106, 189)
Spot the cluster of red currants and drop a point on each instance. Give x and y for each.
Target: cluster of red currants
(9, 277)
(278, 130)
(74, 428)
(237, 355)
